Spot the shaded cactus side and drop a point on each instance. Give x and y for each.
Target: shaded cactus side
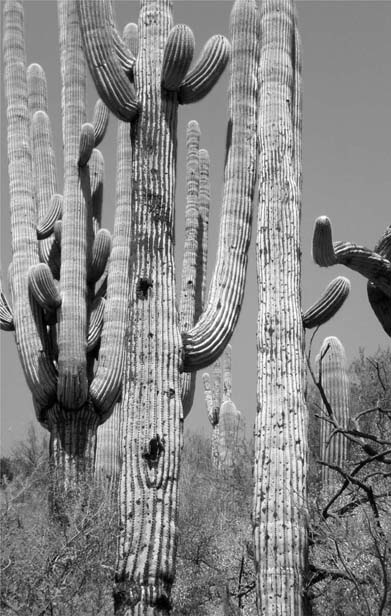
(68, 296)
(332, 370)
(226, 420)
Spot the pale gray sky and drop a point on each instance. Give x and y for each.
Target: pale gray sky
(346, 167)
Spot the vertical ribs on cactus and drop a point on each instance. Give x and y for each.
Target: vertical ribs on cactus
(333, 378)
(157, 348)
(225, 419)
(69, 338)
(375, 265)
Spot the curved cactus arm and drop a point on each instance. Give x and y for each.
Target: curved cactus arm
(100, 254)
(54, 213)
(328, 304)
(97, 168)
(205, 342)
(100, 121)
(367, 262)
(37, 365)
(124, 53)
(100, 44)
(227, 373)
(206, 72)
(43, 287)
(105, 388)
(332, 366)
(380, 302)
(86, 143)
(96, 323)
(192, 247)
(178, 54)
(6, 316)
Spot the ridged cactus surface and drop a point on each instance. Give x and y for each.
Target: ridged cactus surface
(226, 420)
(160, 343)
(332, 370)
(279, 512)
(68, 292)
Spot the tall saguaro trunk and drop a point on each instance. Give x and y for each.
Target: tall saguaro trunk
(152, 392)
(279, 514)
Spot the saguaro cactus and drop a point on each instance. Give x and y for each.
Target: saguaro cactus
(225, 418)
(146, 91)
(279, 511)
(332, 370)
(69, 331)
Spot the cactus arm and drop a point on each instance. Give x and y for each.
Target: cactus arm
(6, 316)
(106, 385)
(213, 416)
(86, 143)
(43, 287)
(329, 303)
(96, 166)
(206, 340)
(111, 82)
(96, 323)
(187, 305)
(72, 387)
(380, 302)
(332, 366)
(130, 36)
(100, 253)
(54, 213)
(206, 72)
(37, 366)
(367, 262)
(279, 516)
(123, 51)
(203, 206)
(100, 121)
(178, 55)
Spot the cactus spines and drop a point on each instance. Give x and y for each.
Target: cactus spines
(328, 304)
(106, 64)
(332, 368)
(279, 510)
(42, 285)
(206, 72)
(178, 55)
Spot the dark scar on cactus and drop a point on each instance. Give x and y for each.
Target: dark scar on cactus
(142, 287)
(155, 448)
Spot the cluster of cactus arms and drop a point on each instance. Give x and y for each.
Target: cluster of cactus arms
(279, 509)
(68, 278)
(333, 377)
(145, 89)
(225, 418)
(375, 265)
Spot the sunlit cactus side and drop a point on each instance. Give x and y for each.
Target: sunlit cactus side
(333, 376)
(157, 350)
(69, 331)
(375, 265)
(225, 418)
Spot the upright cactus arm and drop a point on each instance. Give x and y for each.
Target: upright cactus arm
(101, 46)
(100, 121)
(328, 304)
(332, 366)
(37, 366)
(105, 388)
(178, 55)
(279, 510)
(206, 340)
(368, 263)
